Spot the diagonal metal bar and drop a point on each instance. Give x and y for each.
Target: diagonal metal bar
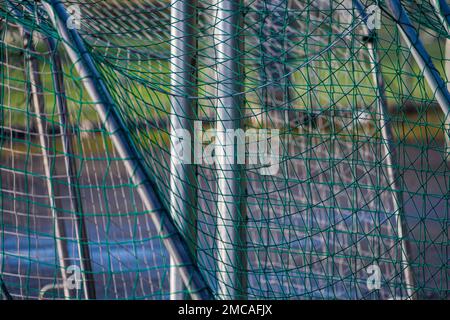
(112, 121)
(422, 58)
(442, 10)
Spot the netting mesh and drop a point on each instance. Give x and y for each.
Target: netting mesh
(357, 185)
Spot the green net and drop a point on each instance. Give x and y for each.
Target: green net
(337, 187)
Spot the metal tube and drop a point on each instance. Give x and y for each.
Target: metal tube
(39, 110)
(183, 181)
(231, 216)
(390, 156)
(424, 61)
(70, 166)
(126, 148)
(422, 58)
(442, 9)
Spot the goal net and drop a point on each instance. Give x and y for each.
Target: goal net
(346, 198)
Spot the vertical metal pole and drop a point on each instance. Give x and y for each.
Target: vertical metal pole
(231, 216)
(183, 180)
(390, 158)
(132, 159)
(39, 110)
(70, 166)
